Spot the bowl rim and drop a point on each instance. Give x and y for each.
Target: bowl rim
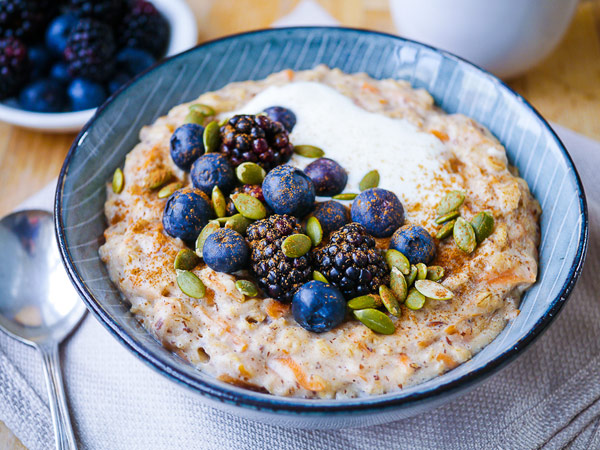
(296, 406)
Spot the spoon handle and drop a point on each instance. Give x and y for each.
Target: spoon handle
(63, 431)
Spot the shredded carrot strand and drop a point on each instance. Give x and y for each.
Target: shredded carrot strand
(440, 135)
(300, 375)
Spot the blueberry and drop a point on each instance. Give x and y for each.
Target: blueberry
(85, 94)
(282, 115)
(60, 72)
(379, 211)
(318, 306)
(288, 190)
(58, 32)
(327, 175)
(133, 60)
(45, 95)
(415, 243)
(332, 215)
(118, 80)
(40, 60)
(225, 250)
(187, 145)
(186, 212)
(210, 170)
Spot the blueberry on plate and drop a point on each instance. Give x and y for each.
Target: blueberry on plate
(379, 211)
(210, 170)
(40, 60)
(318, 306)
(187, 145)
(133, 60)
(225, 250)
(186, 212)
(45, 95)
(118, 80)
(288, 190)
(60, 72)
(328, 176)
(415, 243)
(332, 215)
(58, 32)
(282, 115)
(85, 94)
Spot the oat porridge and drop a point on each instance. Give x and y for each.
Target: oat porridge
(360, 240)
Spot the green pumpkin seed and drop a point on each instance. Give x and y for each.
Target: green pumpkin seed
(398, 284)
(211, 137)
(421, 271)
(296, 245)
(464, 235)
(365, 301)
(238, 223)
(450, 202)
(190, 284)
(370, 180)
(208, 229)
(168, 190)
(433, 290)
(218, 201)
(375, 320)
(223, 122)
(446, 217)
(483, 225)
(250, 173)
(412, 276)
(396, 259)
(314, 230)
(158, 178)
(118, 181)
(347, 196)
(415, 300)
(435, 273)
(318, 276)
(200, 108)
(223, 220)
(446, 230)
(249, 206)
(194, 117)
(390, 301)
(246, 287)
(308, 151)
(186, 259)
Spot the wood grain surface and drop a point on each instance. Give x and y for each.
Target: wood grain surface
(565, 88)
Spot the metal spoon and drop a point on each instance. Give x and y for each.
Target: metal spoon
(38, 305)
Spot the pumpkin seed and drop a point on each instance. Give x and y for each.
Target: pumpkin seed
(464, 235)
(483, 225)
(398, 284)
(158, 178)
(296, 245)
(396, 259)
(375, 320)
(246, 287)
(218, 201)
(347, 196)
(318, 276)
(168, 190)
(314, 230)
(118, 181)
(446, 217)
(208, 229)
(415, 300)
(412, 276)
(421, 271)
(446, 230)
(433, 290)
(250, 173)
(223, 122)
(194, 117)
(249, 206)
(186, 259)
(370, 180)
(211, 137)
(190, 284)
(200, 108)
(450, 202)
(390, 301)
(435, 273)
(308, 151)
(365, 301)
(223, 220)
(238, 223)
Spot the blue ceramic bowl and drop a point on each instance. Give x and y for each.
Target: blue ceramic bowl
(456, 85)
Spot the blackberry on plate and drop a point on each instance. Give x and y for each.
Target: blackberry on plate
(144, 27)
(351, 262)
(256, 139)
(14, 65)
(90, 50)
(108, 11)
(25, 19)
(278, 275)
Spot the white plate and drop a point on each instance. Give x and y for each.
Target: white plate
(184, 35)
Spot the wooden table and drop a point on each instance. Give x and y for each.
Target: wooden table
(565, 88)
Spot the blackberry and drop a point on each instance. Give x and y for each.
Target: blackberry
(14, 66)
(278, 275)
(351, 262)
(107, 11)
(144, 27)
(90, 49)
(254, 190)
(25, 19)
(256, 139)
